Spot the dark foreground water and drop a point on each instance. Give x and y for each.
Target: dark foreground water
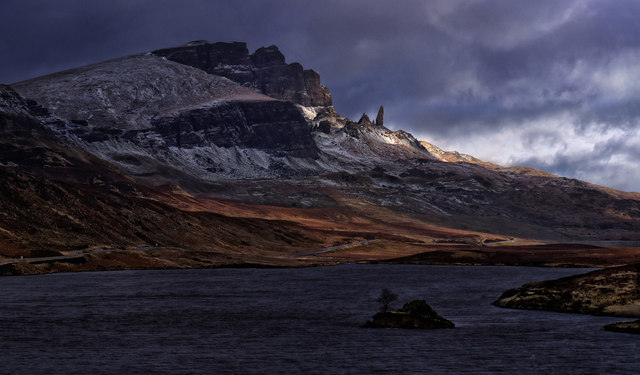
(293, 321)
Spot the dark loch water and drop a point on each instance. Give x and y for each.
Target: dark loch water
(294, 321)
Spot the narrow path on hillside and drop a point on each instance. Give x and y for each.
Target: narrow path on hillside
(72, 256)
(326, 249)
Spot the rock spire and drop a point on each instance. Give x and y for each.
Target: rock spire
(380, 117)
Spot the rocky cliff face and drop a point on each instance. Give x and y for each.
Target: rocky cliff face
(274, 127)
(265, 70)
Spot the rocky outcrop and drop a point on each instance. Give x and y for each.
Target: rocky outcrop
(265, 70)
(324, 127)
(415, 314)
(374, 132)
(625, 327)
(612, 291)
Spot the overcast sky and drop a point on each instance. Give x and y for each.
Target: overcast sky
(550, 84)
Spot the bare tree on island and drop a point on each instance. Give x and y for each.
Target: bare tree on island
(386, 298)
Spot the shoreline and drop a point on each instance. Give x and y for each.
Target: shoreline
(371, 251)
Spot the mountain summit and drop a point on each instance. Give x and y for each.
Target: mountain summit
(264, 71)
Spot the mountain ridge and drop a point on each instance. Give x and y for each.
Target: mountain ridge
(147, 127)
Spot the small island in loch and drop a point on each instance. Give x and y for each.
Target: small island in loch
(414, 314)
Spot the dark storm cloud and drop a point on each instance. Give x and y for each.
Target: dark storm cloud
(549, 83)
(43, 36)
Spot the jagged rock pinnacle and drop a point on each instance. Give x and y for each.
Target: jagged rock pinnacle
(380, 117)
(364, 119)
